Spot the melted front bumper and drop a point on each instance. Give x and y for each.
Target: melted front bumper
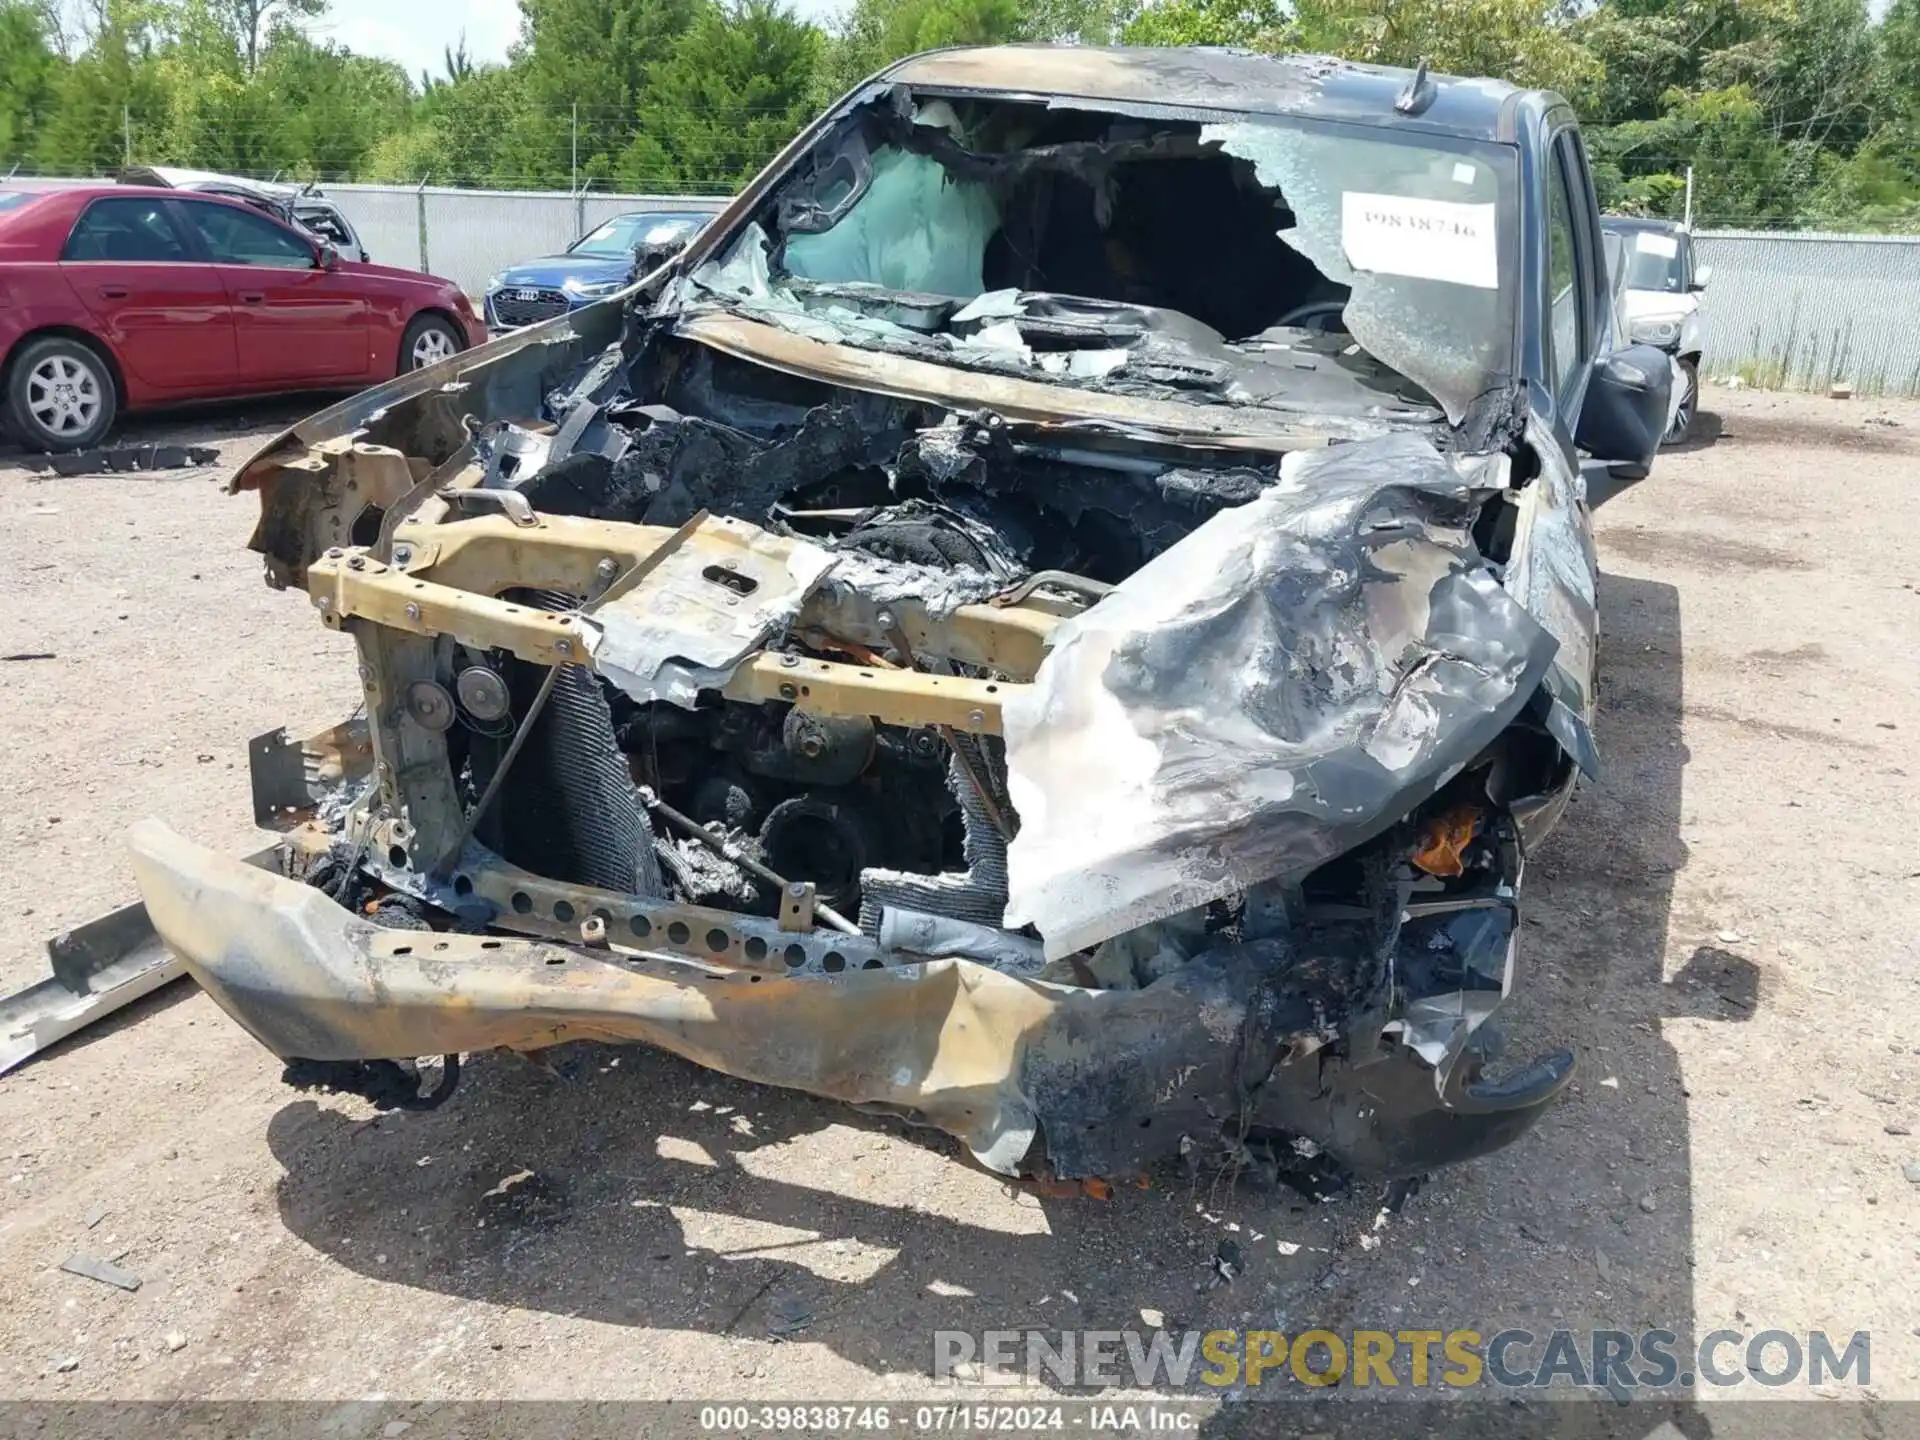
(1108, 1081)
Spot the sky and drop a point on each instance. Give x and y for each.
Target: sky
(416, 32)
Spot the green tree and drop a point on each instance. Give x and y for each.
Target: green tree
(459, 66)
(590, 58)
(1900, 47)
(729, 93)
(328, 106)
(29, 73)
(106, 97)
(252, 22)
(1518, 40)
(1247, 24)
(1784, 109)
(878, 32)
(209, 115)
(460, 134)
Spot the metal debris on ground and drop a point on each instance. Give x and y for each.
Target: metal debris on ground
(94, 1216)
(98, 968)
(94, 1268)
(123, 459)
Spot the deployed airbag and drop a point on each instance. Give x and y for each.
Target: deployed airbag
(915, 230)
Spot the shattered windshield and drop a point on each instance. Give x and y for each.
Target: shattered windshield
(1268, 261)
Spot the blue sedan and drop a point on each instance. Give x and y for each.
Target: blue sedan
(593, 267)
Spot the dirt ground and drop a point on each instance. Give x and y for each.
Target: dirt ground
(1725, 929)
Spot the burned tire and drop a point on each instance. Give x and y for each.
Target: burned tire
(60, 395)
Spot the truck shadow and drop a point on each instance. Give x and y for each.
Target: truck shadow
(632, 1188)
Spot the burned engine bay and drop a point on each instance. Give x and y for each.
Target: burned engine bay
(1099, 786)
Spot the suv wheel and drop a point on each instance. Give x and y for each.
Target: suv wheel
(428, 341)
(1682, 425)
(60, 395)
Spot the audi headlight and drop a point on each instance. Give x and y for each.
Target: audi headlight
(592, 289)
(1656, 330)
(494, 282)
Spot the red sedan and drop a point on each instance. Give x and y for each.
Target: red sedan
(120, 298)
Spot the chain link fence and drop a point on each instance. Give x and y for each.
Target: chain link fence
(1802, 310)
(469, 235)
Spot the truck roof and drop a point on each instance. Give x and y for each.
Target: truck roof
(1221, 81)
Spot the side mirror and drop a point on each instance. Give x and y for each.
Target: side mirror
(328, 257)
(1701, 275)
(1625, 412)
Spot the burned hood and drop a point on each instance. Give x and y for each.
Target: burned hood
(1280, 686)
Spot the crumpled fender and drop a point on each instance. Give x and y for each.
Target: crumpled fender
(1271, 692)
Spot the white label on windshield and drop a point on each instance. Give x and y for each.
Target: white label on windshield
(1462, 173)
(1652, 242)
(1425, 239)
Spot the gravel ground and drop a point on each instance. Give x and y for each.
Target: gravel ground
(1724, 928)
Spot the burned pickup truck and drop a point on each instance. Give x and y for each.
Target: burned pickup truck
(1059, 617)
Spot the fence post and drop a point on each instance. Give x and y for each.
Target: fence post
(420, 196)
(580, 208)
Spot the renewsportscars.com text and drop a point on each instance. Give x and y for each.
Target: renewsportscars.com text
(1383, 1359)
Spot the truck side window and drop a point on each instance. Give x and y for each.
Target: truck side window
(1564, 296)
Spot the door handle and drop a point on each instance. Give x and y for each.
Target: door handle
(113, 292)
(253, 297)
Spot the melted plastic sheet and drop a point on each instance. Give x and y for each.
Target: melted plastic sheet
(1270, 692)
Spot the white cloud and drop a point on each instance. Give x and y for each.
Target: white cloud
(417, 34)
(492, 26)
